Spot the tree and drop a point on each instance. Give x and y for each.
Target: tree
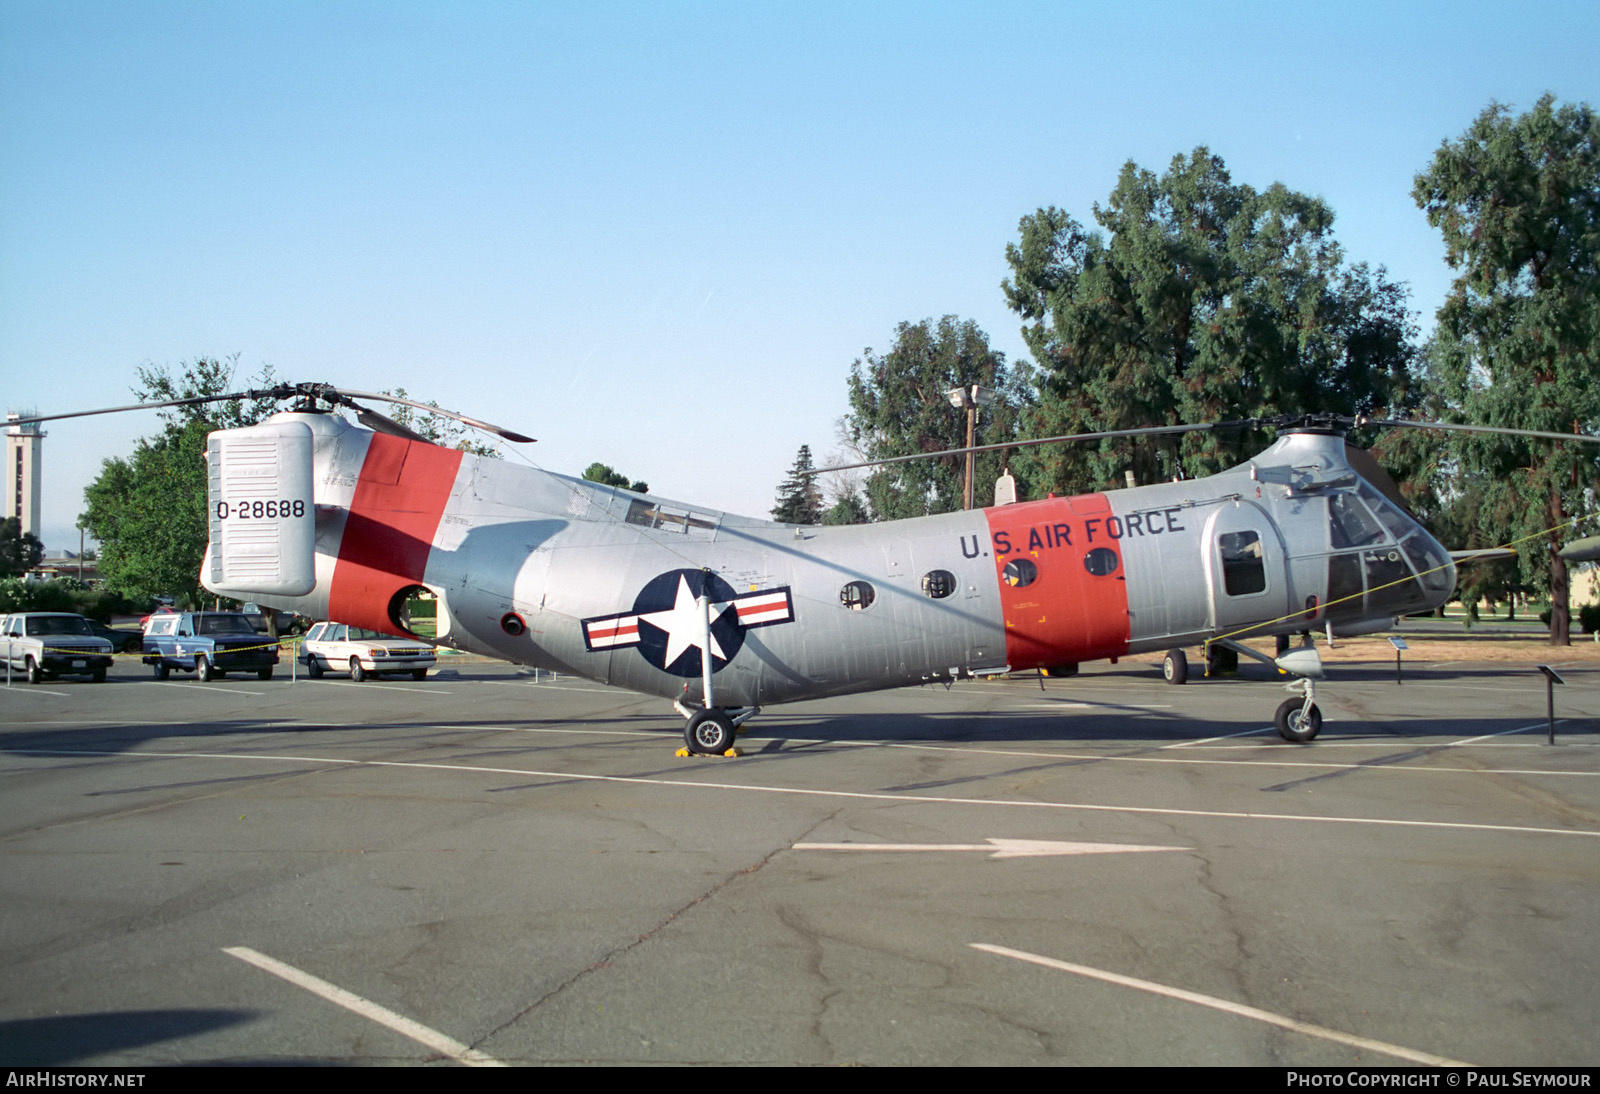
(438, 429)
(799, 497)
(899, 405)
(849, 508)
(1517, 200)
(19, 551)
(1203, 300)
(149, 511)
(605, 476)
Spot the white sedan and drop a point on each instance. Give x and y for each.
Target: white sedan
(336, 647)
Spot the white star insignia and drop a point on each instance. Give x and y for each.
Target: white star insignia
(683, 624)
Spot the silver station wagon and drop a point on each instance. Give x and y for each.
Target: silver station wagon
(336, 647)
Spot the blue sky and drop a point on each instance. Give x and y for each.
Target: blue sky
(656, 235)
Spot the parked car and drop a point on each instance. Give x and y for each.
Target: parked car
(121, 641)
(50, 644)
(144, 620)
(335, 647)
(208, 644)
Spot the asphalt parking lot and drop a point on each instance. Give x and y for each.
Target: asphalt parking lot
(487, 868)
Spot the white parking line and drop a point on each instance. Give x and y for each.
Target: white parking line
(809, 792)
(1504, 733)
(428, 1038)
(32, 689)
(415, 688)
(219, 688)
(1224, 737)
(556, 686)
(1254, 1013)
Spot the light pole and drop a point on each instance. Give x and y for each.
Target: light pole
(970, 399)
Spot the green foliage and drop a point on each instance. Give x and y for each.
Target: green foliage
(799, 497)
(1589, 617)
(438, 429)
(899, 406)
(60, 595)
(1198, 300)
(149, 511)
(1517, 200)
(19, 551)
(850, 508)
(605, 476)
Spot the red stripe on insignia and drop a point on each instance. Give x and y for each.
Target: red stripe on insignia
(1068, 614)
(629, 629)
(394, 515)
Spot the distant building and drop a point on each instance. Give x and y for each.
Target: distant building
(23, 449)
(66, 564)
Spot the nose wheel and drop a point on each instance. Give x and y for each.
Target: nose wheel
(1298, 720)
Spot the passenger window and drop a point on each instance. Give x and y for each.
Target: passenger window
(1019, 573)
(1101, 561)
(938, 584)
(1243, 570)
(857, 596)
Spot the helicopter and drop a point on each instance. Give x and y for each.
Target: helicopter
(724, 614)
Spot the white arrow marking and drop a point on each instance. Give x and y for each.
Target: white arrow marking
(1000, 848)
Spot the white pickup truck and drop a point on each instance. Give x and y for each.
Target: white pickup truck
(51, 644)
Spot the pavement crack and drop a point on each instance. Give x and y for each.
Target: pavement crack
(612, 955)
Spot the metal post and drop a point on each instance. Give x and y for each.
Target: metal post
(704, 603)
(1550, 710)
(1551, 679)
(972, 421)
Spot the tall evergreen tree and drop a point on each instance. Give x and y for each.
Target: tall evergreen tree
(799, 497)
(1198, 299)
(19, 551)
(1517, 200)
(899, 406)
(149, 510)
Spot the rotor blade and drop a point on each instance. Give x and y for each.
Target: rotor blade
(1146, 431)
(1482, 554)
(283, 391)
(475, 423)
(382, 423)
(1458, 428)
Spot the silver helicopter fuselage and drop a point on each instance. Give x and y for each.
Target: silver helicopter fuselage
(545, 570)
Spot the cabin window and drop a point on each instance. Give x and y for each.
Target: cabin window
(1019, 573)
(1101, 561)
(1432, 566)
(938, 584)
(1244, 571)
(1344, 584)
(1390, 584)
(857, 596)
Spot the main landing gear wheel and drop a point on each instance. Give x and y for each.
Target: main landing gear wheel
(1220, 659)
(1175, 669)
(710, 732)
(1298, 722)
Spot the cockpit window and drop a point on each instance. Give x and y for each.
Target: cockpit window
(1350, 524)
(1400, 526)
